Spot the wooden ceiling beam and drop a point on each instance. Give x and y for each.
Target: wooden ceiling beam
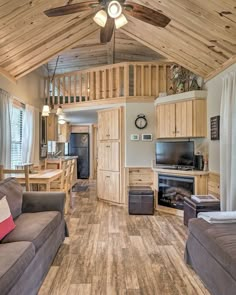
(7, 75)
(222, 68)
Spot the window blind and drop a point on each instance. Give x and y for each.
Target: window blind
(16, 136)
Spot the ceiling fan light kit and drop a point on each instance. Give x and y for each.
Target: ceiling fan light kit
(100, 18)
(114, 9)
(112, 14)
(120, 21)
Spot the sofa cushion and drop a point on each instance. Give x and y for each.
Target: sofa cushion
(14, 193)
(14, 259)
(34, 227)
(219, 240)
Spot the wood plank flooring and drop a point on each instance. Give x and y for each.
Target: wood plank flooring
(110, 252)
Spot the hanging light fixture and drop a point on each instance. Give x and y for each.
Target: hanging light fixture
(59, 111)
(46, 111)
(100, 18)
(114, 9)
(61, 120)
(120, 21)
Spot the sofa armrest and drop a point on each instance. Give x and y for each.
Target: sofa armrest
(43, 201)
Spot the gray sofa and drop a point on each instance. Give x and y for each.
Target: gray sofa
(27, 252)
(211, 252)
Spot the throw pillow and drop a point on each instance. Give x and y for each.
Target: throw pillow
(6, 221)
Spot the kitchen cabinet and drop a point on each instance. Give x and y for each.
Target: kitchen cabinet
(109, 186)
(110, 172)
(52, 127)
(64, 132)
(109, 124)
(109, 156)
(182, 119)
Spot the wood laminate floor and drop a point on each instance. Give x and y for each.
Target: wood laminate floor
(110, 252)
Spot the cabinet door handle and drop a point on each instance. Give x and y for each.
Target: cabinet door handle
(173, 132)
(108, 135)
(108, 146)
(107, 176)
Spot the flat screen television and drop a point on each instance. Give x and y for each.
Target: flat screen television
(175, 153)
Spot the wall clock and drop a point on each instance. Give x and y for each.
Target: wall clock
(141, 121)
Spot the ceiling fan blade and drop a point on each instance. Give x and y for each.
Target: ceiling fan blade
(146, 14)
(107, 31)
(72, 8)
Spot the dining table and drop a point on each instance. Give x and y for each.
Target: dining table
(41, 177)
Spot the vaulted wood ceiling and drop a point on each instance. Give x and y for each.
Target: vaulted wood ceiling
(89, 52)
(201, 36)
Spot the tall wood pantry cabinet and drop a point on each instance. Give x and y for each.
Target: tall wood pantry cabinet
(110, 156)
(182, 119)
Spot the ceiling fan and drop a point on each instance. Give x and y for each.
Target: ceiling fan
(112, 14)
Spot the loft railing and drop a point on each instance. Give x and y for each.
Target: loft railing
(136, 79)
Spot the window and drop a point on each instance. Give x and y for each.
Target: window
(16, 136)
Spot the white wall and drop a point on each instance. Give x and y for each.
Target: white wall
(139, 153)
(29, 89)
(214, 87)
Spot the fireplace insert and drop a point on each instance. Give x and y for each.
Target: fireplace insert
(173, 189)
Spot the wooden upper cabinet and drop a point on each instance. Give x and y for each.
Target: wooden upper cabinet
(52, 127)
(109, 124)
(166, 121)
(182, 119)
(64, 132)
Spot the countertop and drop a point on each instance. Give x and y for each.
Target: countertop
(63, 158)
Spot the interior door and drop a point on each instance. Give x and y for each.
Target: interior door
(184, 119)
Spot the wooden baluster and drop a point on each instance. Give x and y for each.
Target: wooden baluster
(69, 90)
(86, 86)
(164, 78)
(157, 80)
(135, 80)
(80, 87)
(126, 80)
(118, 81)
(98, 88)
(59, 90)
(150, 80)
(142, 80)
(75, 87)
(91, 85)
(104, 83)
(110, 83)
(64, 89)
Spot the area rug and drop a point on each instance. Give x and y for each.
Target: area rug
(79, 188)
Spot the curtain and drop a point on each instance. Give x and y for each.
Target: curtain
(5, 128)
(228, 143)
(30, 135)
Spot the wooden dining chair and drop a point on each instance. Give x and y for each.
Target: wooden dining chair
(52, 164)
(72, 169)
(61, 184)
(24, 170)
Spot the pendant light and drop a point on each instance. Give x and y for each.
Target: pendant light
(59, 111)
(46, 111)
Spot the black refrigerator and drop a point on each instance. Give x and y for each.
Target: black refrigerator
(79, 146)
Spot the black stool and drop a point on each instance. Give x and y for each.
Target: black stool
(141, 200)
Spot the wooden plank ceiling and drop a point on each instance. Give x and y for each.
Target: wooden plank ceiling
(201, 37)
(89, 53)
